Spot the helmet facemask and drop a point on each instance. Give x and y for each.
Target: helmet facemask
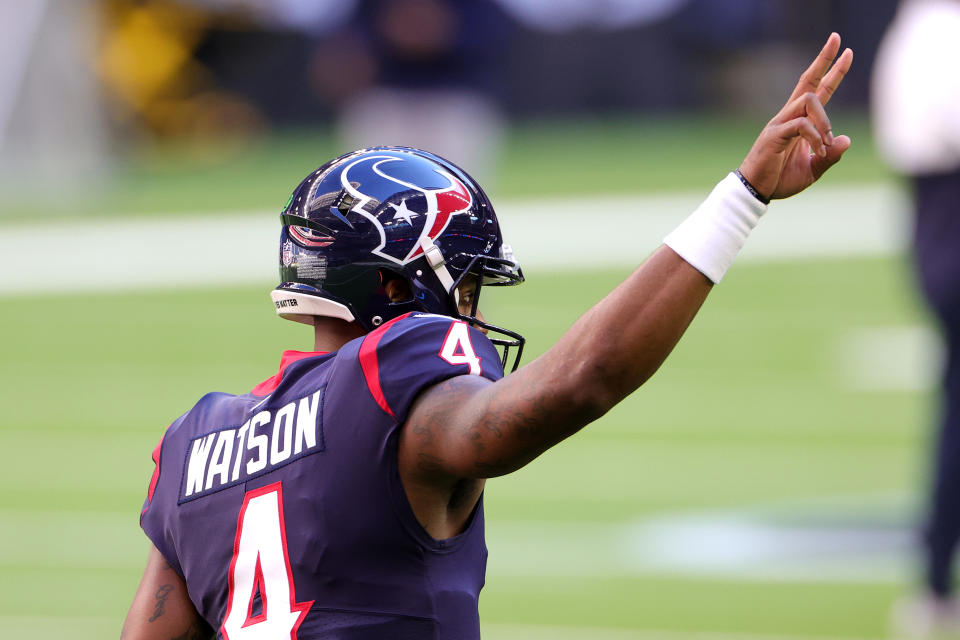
(493, 272)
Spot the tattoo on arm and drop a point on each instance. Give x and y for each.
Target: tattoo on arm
(161, 601)
(525, 431)
(503, 437)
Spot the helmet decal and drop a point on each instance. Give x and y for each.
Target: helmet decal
(427, 209)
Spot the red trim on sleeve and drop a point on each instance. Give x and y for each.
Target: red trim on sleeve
(268, 386)
(156, 474)
(369, 365)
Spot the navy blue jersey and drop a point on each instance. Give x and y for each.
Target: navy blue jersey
(283, 509)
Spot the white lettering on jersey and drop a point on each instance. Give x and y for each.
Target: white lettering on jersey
(457, 348)
(267, 440)
(260, 441)
(220, 460)
(307, 423)
(282, 440)
(241, 436)
(198, 463)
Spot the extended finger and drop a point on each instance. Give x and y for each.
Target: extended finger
(810, 79)
(809, 105)
(802, 127)
(835, 76)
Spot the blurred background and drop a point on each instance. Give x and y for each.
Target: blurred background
(767, 483)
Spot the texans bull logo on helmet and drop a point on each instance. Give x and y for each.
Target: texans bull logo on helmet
(427, 210)
(408, 206)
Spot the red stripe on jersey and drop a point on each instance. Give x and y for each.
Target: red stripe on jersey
(267, 387)
(370, 367)
(156, 473)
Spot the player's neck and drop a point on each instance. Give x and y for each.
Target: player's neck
(329, 334)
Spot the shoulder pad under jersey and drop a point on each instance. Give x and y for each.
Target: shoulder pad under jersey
(415, 351)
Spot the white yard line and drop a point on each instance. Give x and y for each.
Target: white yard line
(746, 545)
(493, 631)
(241, 248)
(905, 358)
(823, 540)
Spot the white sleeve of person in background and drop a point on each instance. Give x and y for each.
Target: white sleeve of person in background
(916, 88)
(715, 232)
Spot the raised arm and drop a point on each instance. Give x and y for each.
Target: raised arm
(471, 428)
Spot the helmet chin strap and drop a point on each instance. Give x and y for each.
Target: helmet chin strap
(438, 263)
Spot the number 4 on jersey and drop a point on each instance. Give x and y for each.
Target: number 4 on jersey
(261, 565)
(457, 348)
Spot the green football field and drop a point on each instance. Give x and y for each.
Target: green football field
(749, 416)
(762, 485)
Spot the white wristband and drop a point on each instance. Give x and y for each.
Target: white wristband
(714, 234)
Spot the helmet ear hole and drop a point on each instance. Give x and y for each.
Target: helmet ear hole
(396, 286)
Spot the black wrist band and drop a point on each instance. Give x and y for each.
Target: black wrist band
(752, 189)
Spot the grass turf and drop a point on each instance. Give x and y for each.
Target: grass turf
(747, 411)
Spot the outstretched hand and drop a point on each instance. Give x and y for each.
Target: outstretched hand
(797, 146)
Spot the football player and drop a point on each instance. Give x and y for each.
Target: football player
(342, 498)
(916, 119)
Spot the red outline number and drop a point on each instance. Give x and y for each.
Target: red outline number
(457, 348)
(261, 564)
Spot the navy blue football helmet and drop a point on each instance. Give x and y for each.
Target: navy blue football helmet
(385, 212)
